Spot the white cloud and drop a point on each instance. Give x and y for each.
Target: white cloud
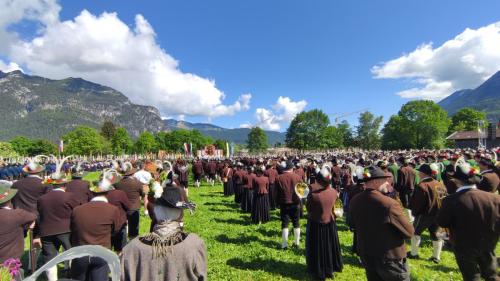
(462, 62)
(246, 125)
(105, 50)
(9, 67)
(284, 111)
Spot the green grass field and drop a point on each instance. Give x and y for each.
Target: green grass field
(240, 250)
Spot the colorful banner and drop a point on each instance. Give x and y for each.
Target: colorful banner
(227, 150)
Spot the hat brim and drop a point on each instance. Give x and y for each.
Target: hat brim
(8, 195)
(376, 178)
(38, 170)
(130, 172)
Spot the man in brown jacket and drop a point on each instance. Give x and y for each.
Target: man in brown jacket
(134, 190)
(289, 204)
(13, 222)
(489, 181)
(381, 230)
(53, 225)
(94, 223)
(406, 182)
(79, 187)
(425, 204)
(30, 188)
(473, 218)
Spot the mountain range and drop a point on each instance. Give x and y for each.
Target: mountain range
(38, 107)
(484, 98)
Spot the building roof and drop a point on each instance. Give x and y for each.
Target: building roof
(468, 135)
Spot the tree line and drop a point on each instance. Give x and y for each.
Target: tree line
(111, 139)
(418, 124)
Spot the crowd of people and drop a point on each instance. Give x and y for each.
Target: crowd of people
(387, 199)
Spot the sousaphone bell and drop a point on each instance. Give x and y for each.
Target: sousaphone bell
(302, 190)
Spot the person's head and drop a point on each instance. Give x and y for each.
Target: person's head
(427, 171)
(170, 205)
(376, 178)
(486, 164)
(324, 175)
(463, 174)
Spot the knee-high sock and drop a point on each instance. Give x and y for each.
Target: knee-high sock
(296, 235)
(415, 243)
(51, 273)
(437, 247)
(284, 238)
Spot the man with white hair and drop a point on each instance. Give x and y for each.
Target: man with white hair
(167, 253)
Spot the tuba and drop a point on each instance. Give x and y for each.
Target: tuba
(302, 190)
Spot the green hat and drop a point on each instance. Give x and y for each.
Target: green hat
(6, 193)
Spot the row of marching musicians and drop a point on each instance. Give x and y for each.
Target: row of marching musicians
(62, 213)
(467, 217)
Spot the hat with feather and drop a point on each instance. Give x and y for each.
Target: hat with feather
(106, 183)
(58, 177)
(33, 166)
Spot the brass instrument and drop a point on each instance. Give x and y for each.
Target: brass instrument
(302, 190)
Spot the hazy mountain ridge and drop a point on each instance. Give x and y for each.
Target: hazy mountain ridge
(38, 107)
(485, 98)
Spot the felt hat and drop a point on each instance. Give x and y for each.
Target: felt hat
(58, 177)
(33, 166)
(6, 192)
(374, 172)
(127, 169)
(106, 183)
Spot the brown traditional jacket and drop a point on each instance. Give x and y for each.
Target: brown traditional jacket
(93, 223)
(54, 210)
(272, 174)
(29, 190)
(260, 184)
(426, 199)
(381, 226)
(13, 222)
(320, 202)
(133, 188)
(119, 199)
(473, 218)
(80, 188)
(285, 187)
(406, 180)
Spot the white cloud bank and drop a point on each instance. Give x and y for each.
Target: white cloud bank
(105, 50)
(462, 62)
(281, 113)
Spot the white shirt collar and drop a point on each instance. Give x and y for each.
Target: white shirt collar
(34, 176)
(486, 171)
(99, 199)
(7, 208)
(59, 189)
(465, 187)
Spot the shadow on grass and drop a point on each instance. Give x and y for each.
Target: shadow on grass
(441, 267)
(286, 269)
(233, 221)
(245, 240)
(221, 210)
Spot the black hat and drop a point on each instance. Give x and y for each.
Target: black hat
(289, 165)
(426, 169)
(374, 172)
(466, 173)
(172, 198)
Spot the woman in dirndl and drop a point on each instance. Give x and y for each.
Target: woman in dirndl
(227, 179)
(260, 207)
(323, 253)
(247, 196)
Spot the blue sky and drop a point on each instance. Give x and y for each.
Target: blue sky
(318, 51)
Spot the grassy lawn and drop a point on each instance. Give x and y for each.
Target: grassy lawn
(240, 250)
